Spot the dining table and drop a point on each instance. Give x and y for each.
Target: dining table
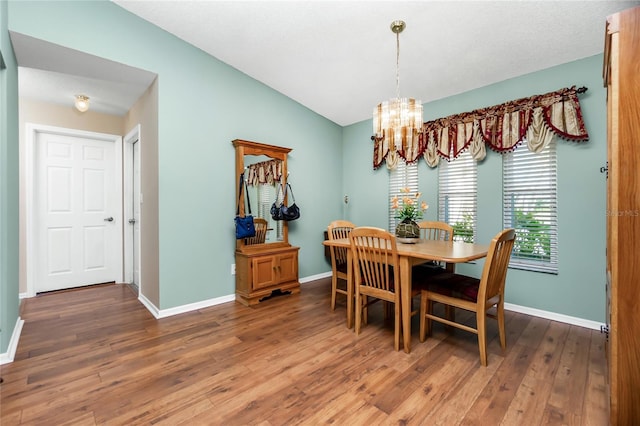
(410, 254)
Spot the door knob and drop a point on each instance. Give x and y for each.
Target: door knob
(108, 219)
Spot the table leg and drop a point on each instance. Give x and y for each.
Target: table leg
(405, 295)
(350, 289)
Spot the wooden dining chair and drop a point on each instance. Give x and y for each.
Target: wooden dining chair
(376, 271)
(336, 230)
(261, 232)
(434, 230)
(472, 294)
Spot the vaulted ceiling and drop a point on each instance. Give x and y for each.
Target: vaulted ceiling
(338, 58)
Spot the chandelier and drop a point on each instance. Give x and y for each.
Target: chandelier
(397, 121)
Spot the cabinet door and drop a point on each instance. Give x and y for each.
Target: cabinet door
(288, 267)
(264, 272)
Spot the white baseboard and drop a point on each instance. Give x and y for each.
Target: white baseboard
(315, 277)
(22, 295)
(150, 306)
(163, 313)
(13, 343)
(594, 325)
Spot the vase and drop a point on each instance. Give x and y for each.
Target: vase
(407, 231)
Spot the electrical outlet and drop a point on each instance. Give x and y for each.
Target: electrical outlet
(233, 269)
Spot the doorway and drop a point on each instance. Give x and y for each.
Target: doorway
(132, 201)
(74, 208)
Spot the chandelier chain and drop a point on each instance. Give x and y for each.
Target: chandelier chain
(398, 65)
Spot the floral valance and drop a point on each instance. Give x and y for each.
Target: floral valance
(266, 172)
(500, 127)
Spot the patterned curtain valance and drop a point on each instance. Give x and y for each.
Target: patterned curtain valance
(268, 172)
(501, 127)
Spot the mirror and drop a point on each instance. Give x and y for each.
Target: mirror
(262, 174)
(263, 166)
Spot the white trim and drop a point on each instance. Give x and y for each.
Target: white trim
(22, 295)
(594, 325)
(8, 356)
(132, 137)
(316, 277)
(32, 129)
(163, 313)
(150, 306)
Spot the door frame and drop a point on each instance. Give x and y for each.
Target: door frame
(32, 131)
(130, 138)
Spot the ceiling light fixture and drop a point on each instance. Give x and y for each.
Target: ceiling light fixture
(400, 119)
(82, 103)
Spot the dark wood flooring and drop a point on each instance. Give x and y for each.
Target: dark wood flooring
(97, 356)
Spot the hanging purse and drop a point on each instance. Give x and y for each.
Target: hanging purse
(244, 224)
(276, 214)
(291, 212)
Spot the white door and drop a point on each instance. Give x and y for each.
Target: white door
(77, 211)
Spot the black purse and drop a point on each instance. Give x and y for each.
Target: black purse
(291, 212)
(276, 214)
(244, 224)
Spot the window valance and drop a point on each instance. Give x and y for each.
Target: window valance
(500, 127)
(266, 172)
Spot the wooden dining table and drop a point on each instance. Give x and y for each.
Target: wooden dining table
(408, 256)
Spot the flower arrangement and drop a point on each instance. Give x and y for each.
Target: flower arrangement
(409, 207)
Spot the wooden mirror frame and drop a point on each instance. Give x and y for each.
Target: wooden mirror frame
(243, 148)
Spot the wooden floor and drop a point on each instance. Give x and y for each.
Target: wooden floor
(97, 356)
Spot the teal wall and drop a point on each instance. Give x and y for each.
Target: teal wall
(9, 302)
(578, 288)
(203, 104)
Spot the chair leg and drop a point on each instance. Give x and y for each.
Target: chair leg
(365, 309)
(358, 312)
(501, 329)
(423, 317)
(334, 286)
(450, 312)
(481, 318)
(396, 333)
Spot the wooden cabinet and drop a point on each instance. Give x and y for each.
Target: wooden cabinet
(259, 273)
(622, 79)
(263, 268)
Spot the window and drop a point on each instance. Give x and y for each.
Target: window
(403, 176)
(458, 196)
(266, 197)
(530, 207)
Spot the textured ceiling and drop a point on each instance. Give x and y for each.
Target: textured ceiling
(337, 58)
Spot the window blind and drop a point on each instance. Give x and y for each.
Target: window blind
(403, 176)
(531, 207)
(458, 196)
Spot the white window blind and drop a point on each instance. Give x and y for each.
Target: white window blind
(403, 176)
(266, 197)
(530, 207)
(458, 196)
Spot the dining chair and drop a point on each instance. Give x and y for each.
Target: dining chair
(435, 230)
(376, 272)
(260, 237)
(472, 294)
(336, 230)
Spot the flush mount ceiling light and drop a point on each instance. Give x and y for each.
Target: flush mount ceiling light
(82, 103)
(397, 121)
